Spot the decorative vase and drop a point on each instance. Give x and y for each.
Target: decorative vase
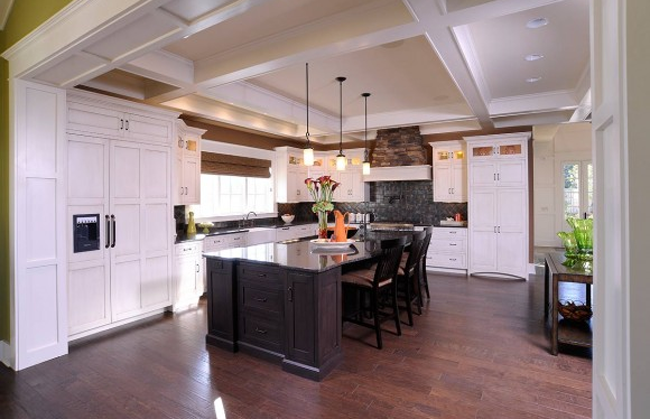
(191, 226)
(322, 224)
(583, 230)
(569, 242)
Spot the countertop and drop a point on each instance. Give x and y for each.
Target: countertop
(184, 237)
(304, 255)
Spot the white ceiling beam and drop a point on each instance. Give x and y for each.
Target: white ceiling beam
(535, 102)
(306, 43)
(491, 10)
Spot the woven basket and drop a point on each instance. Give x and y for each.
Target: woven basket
(574, 311)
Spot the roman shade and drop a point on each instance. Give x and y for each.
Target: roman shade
(224, 164)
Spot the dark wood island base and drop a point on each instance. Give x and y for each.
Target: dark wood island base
(280, 314)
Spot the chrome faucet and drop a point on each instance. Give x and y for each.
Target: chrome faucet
(245, 221)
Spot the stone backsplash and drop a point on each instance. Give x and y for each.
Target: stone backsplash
(406, 202)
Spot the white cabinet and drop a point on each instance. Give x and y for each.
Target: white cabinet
(449, 171)
(127, 182)
(351, 188)
(498, 204)
(128, 185)
(290, 176)
(447, 250)
(187, 165)
(188, 274)
(98, 115)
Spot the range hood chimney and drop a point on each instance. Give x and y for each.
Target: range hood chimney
(399, 155)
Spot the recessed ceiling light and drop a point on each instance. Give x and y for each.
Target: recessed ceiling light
(533, 79)
(537, 23)
(533, 57)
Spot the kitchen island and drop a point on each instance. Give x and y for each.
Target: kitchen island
(281, 302)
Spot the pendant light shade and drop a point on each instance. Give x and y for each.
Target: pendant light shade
(341, 161)
(365, 167)
(308, 151)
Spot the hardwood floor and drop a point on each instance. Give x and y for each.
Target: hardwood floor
(478, 351)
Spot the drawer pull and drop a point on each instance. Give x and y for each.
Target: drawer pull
(452, 232)
(452, 259)
(261, 300)
(261, 331)
(261, 275)
(452, 244)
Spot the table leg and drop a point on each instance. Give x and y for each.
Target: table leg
(554, 319)
(546, 273)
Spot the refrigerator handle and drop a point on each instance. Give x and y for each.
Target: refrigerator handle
(107, 232)
(113, 232)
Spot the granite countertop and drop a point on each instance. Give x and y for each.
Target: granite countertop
(304, 255)
(182, 237)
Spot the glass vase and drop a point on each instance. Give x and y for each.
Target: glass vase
(322, 224)
(583, 230)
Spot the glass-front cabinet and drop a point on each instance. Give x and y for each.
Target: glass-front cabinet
(449, 171)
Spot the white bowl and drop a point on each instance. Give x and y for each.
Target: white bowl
(287, 218)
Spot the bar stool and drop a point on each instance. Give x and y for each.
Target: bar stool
(377, 281)
(423, 264)
(408, 275)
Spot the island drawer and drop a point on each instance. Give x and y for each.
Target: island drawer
(264, 274)
(268, 301)
(446, 260)
(261, 331)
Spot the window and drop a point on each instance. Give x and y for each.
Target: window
(578, 189)
(223, 196)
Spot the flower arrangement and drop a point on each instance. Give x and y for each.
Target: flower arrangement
(321, 191)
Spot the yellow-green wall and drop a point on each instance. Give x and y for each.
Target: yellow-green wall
(25, 16)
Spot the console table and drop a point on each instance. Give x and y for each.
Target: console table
(557, 270)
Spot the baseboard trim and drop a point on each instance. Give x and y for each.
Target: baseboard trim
(124, 322)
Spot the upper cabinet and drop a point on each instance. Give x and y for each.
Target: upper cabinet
(290, 175)
(502, 163)
(93, 114)
(187, 165)
(449, 171)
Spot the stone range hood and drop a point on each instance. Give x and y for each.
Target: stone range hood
(399, 155)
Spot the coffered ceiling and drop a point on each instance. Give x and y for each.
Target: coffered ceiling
(445, 65)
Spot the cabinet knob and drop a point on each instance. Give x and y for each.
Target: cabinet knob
(261, 300)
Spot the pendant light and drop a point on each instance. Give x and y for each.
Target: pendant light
(341, 161)
(365, 168)
(308, 151)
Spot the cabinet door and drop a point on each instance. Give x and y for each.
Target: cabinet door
(95, 120)
(483, 245)
(147, 128)
(141, 206)
(126, 196)
(483, 173)
(179, 187)
(458, 188)
(88, 297)
(512, 173)
(442, 182)
(299, 317)
(512, 249)
(296, 188)
(191, 181)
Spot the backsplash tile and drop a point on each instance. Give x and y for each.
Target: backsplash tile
(407, 202)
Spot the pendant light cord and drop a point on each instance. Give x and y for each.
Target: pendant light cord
(365, 132)
(341, 80)
(307, 89)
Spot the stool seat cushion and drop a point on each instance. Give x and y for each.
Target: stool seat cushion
(363, 277)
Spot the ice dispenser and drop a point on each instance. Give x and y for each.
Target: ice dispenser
(86, 232)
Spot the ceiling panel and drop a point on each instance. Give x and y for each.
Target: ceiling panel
(271, 18)
(402, 75)
(502, 43)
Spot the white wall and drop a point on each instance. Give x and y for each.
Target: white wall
(569, 142)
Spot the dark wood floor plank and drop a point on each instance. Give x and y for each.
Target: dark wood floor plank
(478, 351)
